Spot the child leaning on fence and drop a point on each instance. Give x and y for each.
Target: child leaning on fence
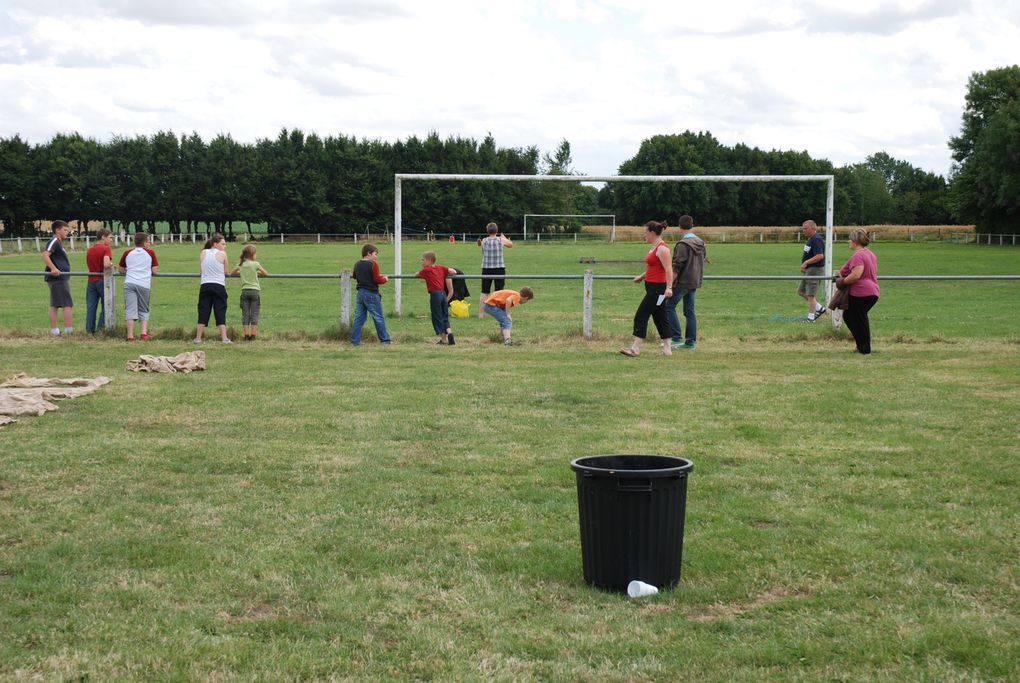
(440, 289)
(369, 301)
(251, 291)
(138, 265)
(498, 305)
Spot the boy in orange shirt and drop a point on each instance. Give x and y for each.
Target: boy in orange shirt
(499, 303)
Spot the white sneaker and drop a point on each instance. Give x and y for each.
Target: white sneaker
(226, 341)
(811, 317)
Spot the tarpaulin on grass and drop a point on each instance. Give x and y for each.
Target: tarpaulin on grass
(22, 395)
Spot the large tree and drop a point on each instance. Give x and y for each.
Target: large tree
(985, 184)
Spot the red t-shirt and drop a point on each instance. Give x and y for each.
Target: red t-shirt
(435, 277)
(654, 271)
(94, 259)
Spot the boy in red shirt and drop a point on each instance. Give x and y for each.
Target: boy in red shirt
(98, 258)
(440, 289)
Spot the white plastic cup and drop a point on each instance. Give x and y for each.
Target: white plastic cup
(639, 589)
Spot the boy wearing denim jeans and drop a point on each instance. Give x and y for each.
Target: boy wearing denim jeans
(440, 289)
(369, 301)
(498, 305)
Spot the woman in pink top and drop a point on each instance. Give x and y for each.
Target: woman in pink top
(658, 279)
(860, 273)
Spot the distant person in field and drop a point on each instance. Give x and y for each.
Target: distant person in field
(251, 291)
(492, 262)
(138, 266)
(860, 273)
(658, 279)
(498, 305)
(812, 262)
(58, 267)
(98, 258)
(688, 272)
(440, 289)
(369, 301)
(212, 293)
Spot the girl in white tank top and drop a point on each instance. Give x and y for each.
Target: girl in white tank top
(212, 268)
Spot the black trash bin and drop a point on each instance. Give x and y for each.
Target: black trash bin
(631, 509)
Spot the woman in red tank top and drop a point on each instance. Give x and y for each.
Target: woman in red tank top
(658, 279)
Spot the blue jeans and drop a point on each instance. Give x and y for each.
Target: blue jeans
(369, 303)
(687, 295)
(500, 315)
(440, 309)
(94, 301)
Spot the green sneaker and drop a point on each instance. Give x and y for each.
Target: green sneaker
(676, 345)
(688, 345)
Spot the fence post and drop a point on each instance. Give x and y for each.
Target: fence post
(345, 298)
(39, 249)
(109, 299)
(281, 238)
(318, 238)
(586, 324)
(21, 249)
(192, 238)
(88, 243)
(72, 242)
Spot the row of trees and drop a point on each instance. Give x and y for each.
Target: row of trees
(295, 183)
(879, 190)
(305, 183)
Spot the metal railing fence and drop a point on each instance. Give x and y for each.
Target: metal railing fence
(588, 278)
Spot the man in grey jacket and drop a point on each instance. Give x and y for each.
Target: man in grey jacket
(688, 268)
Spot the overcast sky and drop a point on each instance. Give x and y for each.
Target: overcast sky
(840, 80)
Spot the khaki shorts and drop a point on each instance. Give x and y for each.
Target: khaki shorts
(810, 287)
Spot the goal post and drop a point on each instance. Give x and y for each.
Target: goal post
(399, 178)
(612, 235)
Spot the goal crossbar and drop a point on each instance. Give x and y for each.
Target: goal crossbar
(569, 215)
(398, 179)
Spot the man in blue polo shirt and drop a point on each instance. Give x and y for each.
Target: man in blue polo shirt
(812, 262)
(58, 267)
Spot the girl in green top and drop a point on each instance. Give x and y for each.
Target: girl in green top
(249, 269)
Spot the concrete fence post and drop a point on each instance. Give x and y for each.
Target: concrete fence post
(345, 298)
(109, 299)
(281, 238)
(21, 249)
(318, 238)
(72, 242)
(586, 324)
(39, 249)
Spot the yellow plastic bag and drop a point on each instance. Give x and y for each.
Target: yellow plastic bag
(460, 308)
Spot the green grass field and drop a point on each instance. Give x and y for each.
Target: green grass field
(304, 510)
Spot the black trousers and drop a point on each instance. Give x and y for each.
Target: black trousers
(488, 281)
(856, 319)
(650, 308)
(212, 298)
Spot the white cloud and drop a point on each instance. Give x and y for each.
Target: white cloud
(838, 82)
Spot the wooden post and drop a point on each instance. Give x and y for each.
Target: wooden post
(586, 324)
(345, 298)
(21, 249)
(39, 249)
(109, 299)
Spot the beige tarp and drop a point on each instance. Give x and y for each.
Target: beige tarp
(182, 362)
(23, 395)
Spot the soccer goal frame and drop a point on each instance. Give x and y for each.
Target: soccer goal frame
(399, 178)
(612, 237)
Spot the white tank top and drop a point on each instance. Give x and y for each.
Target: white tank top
(212, 269)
